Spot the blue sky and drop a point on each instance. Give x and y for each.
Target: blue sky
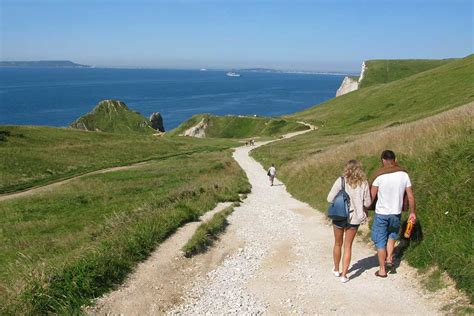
(313, 35)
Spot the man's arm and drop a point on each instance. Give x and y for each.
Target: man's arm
(373, 191)
(411, 202)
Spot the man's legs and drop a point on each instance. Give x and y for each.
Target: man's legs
(393, 229)
(382, 255)
(390, 248)
(379, 237)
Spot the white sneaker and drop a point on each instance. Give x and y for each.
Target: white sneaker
(344, 279)
(336, 273)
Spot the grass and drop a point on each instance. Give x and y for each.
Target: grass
(33, 155)
(345, 118)
(437, 151)
(385, 71)
(62, 248)
(114, 117)
(240, 126)
(207, 233)
(434, 281)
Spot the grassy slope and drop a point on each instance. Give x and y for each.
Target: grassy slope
(318, 156)
(384, 71)
(342, 119)
(114, 117)
(61, 248)
(240, 127)
(34, 155)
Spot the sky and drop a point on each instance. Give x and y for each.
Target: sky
(319, 35)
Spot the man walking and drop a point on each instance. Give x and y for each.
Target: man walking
(390, 185)
(271, 174)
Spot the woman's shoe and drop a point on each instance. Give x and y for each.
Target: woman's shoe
(336, 273)
(344, 279)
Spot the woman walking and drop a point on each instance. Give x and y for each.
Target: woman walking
(271, 173)
(357, 187)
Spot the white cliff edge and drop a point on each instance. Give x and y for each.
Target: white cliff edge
(349, 84)
(198, 130)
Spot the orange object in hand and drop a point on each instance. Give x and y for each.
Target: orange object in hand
(409, 229)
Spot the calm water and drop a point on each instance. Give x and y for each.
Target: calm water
(56, 97)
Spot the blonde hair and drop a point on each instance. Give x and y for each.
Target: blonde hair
(354, 174)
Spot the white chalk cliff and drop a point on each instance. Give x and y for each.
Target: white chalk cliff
(349, 84)
(198, 130)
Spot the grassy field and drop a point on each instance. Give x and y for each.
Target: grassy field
(207, 233)
(385, 71)
(411, 117)
(240, 127)
(343, 119)
(114, 117)
(62, 248)
(34, 155)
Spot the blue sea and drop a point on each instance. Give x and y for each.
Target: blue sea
(57, 96)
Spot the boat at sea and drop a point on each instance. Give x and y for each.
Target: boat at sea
(203, 69)
(232, 74)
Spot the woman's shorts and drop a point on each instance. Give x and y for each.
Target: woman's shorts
(385, 227)
(344, 224)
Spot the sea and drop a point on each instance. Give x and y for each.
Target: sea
(58, 96)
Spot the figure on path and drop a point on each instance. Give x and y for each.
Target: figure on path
(271, 174)
(354, 182)
(392, 187)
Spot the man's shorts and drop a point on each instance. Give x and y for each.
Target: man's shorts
(384, 227)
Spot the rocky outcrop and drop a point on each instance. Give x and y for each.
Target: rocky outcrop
(113, 116)
(350, 84)
(198, 130)
(157, 122)
(347, 85)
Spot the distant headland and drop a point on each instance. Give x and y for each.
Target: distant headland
(43, 64)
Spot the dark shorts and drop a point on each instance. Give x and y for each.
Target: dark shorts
(344, 224)
(385, 227)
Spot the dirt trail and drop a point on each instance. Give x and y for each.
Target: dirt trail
(52, 186)
(275, 258)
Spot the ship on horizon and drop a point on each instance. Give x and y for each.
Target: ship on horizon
(232, 74)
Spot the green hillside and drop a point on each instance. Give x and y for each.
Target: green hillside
(115, 117)
(384, 71)
(36, 155)
(412, 117)
(62, 248)
(240, 126)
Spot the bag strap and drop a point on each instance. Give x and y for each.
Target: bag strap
(343, 185)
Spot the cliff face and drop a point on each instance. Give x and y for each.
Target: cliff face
(347, 85)
(350, 84)
(198, 130)
(157, 122)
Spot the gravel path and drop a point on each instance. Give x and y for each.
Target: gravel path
(285, 264)
(275, 258)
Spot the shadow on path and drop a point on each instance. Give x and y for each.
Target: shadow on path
(363, 265)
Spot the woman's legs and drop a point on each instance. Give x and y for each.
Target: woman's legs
(336, 252)
(350, 234)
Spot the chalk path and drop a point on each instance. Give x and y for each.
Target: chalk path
(275, 258)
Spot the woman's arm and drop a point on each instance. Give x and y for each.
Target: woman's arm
(336, 187)
(367, 198)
